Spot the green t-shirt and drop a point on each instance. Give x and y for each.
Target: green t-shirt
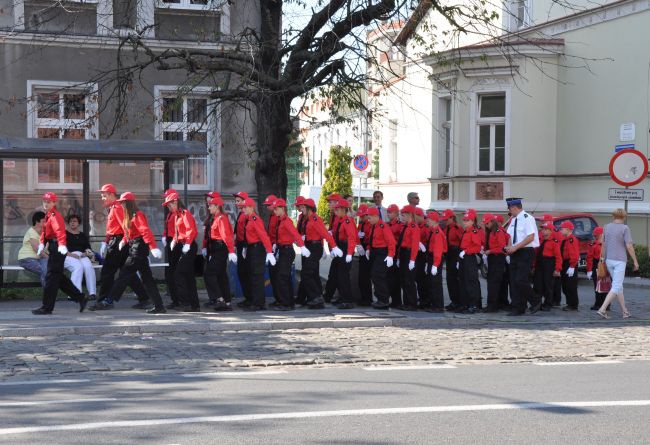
(26, 250)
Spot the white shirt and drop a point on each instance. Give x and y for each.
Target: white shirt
(526, 225)
(383, 212)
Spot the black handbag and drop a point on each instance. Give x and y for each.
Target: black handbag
(199, 265)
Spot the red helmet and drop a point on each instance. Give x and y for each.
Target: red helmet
(213, 195)
(433, 215)
(418, 212)
(309, 203)
(50, 196)
(598, 231)
(470, 215)
(270, 200)
(488, 217)
(448, 213)
(300, 200)
(216, 200)
(279, 203)
(108, 188)
(392, 208)
(566, 225)
(169, 191)
(408, 209)
(248, 202)
(169, 198)
(343, 204)
(334, 197)
(548, 225)
(126, 196)
(372, 211)
(242, 195)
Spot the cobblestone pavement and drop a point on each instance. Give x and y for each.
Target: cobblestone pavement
(181, 352)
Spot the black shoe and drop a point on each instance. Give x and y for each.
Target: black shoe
(469, 310)
(41, 311)
(380, 306)
(157, 310)
(568, 308)
(345, 306)
(92, 297)
(140, 305)
(334, 302)
(515, 313)
(408, 308)
(436, 310)
(459, 309)
(254, 308)
(490, 310)
(545, 308)
(222, 306)
(505, 307)
(101, 306)
(534, 309)
(83, 301)
(280, 308)
(243, 304)
(450, 307)
(316, 306)
(364, 304)
(275, 303)
(172, 305)
(209, 304)
(190, 309)
(594, 307)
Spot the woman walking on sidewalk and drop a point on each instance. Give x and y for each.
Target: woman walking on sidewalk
(616, 241)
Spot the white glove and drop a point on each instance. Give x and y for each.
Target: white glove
(41, 248)
(102, 249)
(330, 232)
(457, 265)
(122, 244)
(337, 252)
(172, 244)
(270, 259)
(508, 259)
(63, 250)
(569, 272)
(411, 265)
(461, 255)
(305, 252)
(163, 240)
(361, 251)
(324, 254)
(274, 248)
(422, 248)
(434, 271)
(485, 258)
(426, 269)
(389, 261)
(156, 253)
(348, 258)
(589, 275)
(361, 234)
(232, 257)
(204, 252)
(304, 237)
(367, 254)
(186, 248)
(243, 253)
(397, 263)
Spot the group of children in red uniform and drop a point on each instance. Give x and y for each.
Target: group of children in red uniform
(401, 258)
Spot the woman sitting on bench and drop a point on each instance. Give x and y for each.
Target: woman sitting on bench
(78, 260)
(28, 258)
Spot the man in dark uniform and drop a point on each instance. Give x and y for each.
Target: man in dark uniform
(240, 245)
(345, 236)
(454, 234)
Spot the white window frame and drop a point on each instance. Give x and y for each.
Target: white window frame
(492, 121)
(187, 5)
(34, 122)
(393, 131)
(525, 20)
(213, 129)
(444, 125)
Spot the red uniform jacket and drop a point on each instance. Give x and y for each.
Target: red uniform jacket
(471, 241)
(170, 225)
(333, 220)
(256, 233)
(396, 227)
(114, 221)
(550, 248)
(593, 254)
(221, 230)
(139, 228)
(437, 244)
(240, 228)
(54, 228)
(364, 227)
(315, 230)
(346, 231)
(483, 237)
(424, 233)
(286, 233)
(273, 228)
(496, 242)
(381, 237)
(186, 230)
(454, 234)
(411, 239)
(571, 250)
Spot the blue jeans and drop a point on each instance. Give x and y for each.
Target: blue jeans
(37, 266)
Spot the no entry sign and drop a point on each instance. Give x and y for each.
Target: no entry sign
(628, 168)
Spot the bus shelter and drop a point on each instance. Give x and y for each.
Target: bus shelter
(75, 169)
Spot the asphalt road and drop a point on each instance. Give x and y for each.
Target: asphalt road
(576, 403)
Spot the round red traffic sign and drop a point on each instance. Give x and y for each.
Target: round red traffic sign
(360, 162)
(628, 167)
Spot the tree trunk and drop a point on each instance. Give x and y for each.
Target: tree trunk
(273, 132)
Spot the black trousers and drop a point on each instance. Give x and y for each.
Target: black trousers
(137, 261)
(365, 284)
(436, 293)
(505, 286)
(273, 277)
(379, 274)
(172, 256)
(114, 260)
(422, 280)
(394, 287)
(310, 274)
(496, 268)
(216, 272)
(521, 291)
(453, 280)
(570, 285)
(342, 275)
(283, 284)
(256, 255)
(470, 286)
(55, 279)
(242, 271)
(407, 278)
(544, 280)
(185, 278)
(557, 291)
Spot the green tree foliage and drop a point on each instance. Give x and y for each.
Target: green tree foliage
(338, 178)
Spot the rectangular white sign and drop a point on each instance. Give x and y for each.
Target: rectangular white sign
(628, 132)
(618, 194)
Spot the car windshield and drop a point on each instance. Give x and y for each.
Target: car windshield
(583, 226)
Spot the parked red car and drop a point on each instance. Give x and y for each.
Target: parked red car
(584, 225)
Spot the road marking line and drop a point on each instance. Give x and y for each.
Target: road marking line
(407, 367)
(233, 373)
(320, 414)
(54, 402)
(44, 382)
(601, 362)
